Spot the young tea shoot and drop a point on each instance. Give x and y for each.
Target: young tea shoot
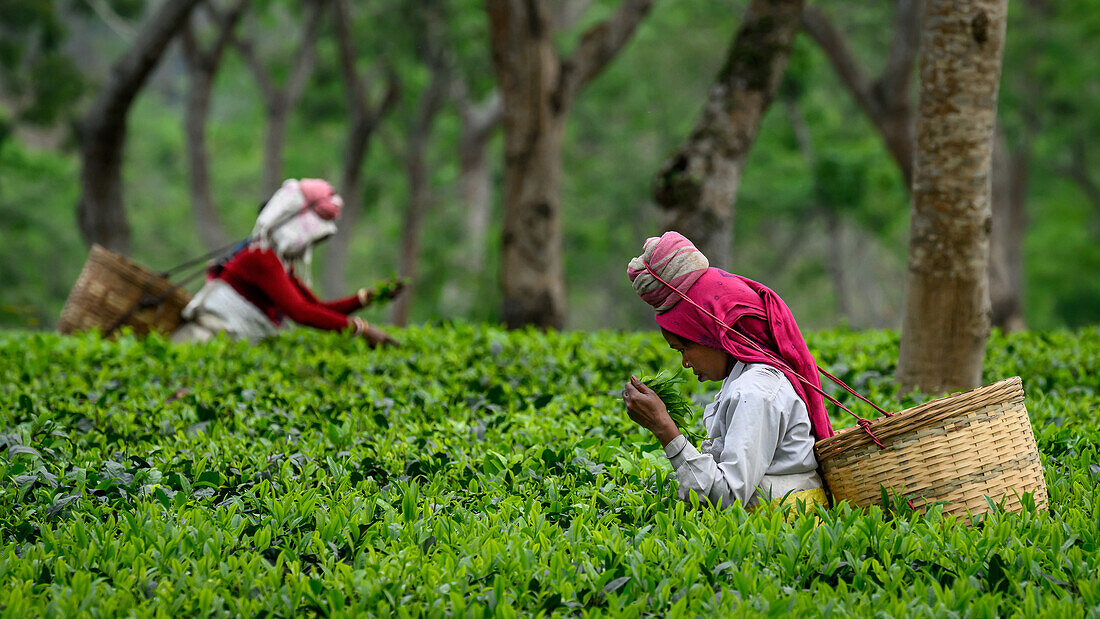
(387, 289)
(680, 407)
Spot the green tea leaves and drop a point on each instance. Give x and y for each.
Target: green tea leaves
(680, 408)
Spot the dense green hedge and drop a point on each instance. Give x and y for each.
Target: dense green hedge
(477, 471)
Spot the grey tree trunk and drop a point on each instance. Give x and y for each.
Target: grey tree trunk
(478, 123)
(947, 311)
(202, 67)
(101, 215)
(1006, 238)
(279, 101)
(420, 193)
(365, 118)
(697, 186)
(538, 88)
(886, 103)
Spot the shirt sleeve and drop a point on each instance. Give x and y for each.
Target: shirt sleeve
(343, 306)
(753, 421)
(268, 274)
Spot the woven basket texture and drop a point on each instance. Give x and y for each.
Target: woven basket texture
(957, 450)
(111, 288)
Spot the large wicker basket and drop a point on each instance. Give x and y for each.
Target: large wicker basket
(113, 291)
(957, 450)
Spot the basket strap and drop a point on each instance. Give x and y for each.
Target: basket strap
(863, 423)
(203, 258)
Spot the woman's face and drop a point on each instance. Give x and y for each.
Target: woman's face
(705, 362)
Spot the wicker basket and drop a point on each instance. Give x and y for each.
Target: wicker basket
(957, 450)
(112, 291)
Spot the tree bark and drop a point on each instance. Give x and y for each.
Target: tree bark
(697, 186)
(101, 215)
(279, 101)
(416, 170)
(365, 118)
(886, 100)
(886, 103)
(538, 88)
(477, 124)
(947, 308)
(202, 68)
(1006, 239)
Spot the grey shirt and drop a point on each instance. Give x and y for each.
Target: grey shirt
(759, 443)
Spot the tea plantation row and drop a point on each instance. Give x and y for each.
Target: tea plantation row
(477, 472)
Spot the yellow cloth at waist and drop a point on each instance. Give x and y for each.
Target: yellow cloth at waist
(809, 498)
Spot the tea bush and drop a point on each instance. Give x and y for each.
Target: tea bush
(479, 472)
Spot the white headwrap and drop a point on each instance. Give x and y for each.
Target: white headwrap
(291, 230)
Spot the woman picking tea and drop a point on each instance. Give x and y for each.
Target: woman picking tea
(764, 421)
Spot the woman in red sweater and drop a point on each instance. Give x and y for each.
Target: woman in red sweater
(249, 294)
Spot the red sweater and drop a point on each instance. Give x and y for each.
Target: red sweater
(258, 276)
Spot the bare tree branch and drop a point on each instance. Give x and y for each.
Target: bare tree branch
(897, 75)
(305, 55)
(114, 21)
(364, 120)
(599, 44)
(279, 101)
(886, 100)
(202, 67)
(247, 50)
(352, 81)
(821, 29)
(697, 185)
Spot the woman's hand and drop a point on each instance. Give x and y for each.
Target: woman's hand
(377, 337)
(648, 411)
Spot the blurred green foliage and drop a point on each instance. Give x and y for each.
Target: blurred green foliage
(623, 126)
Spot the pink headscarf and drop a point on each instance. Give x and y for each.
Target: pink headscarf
(321, 197)
(679, 262)
(754, 311)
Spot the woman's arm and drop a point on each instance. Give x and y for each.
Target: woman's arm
(752, 424)
(343, 306)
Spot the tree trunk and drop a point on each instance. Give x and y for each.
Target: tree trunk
(100, 212)
(528, 71)
(538, 88)
(365, 118)
(1006, 239)
(334, 278)
(210, 228)
(416, 169)
(474, 186)
(885, 101)
(202, 68)
(947, 311)
(279, 101)
(697, 186)
(271, 176)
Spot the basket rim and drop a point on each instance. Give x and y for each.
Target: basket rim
(928, 413)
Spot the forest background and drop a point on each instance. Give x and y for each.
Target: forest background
(821, 213)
